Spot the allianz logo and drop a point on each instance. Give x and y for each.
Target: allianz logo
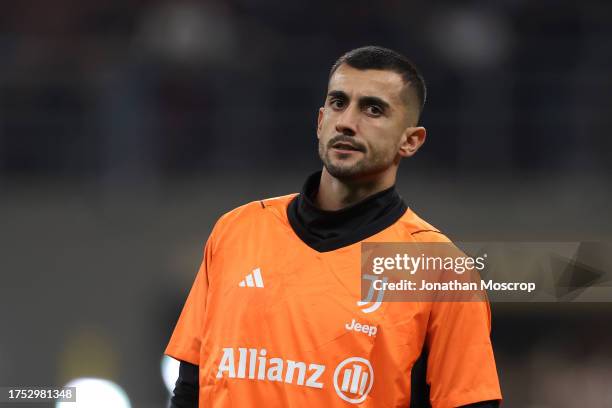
(353, 377)
(255, 365)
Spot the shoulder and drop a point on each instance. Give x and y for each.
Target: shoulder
(419, 229)
(251, 213)
(255, 209)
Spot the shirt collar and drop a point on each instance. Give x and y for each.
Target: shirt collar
(328, 230)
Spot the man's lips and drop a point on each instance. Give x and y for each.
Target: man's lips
(346, 147)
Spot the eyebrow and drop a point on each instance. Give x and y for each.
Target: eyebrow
(363, 101)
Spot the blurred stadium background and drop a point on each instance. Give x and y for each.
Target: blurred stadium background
(127, 127)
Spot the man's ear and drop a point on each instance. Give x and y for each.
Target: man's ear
(412, 139)
(320, 121)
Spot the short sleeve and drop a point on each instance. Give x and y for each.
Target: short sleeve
(460, 366)
(186, 339)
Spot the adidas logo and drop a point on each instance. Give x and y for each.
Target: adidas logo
(252, 280)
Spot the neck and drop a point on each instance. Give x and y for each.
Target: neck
(335, 194)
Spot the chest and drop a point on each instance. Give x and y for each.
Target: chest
(279, 292)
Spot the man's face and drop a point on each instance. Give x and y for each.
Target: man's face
(362, 128)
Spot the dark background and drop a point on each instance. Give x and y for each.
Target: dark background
(128, 127)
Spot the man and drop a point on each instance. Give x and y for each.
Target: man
(274, 318)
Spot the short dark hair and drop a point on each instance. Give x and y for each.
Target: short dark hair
(374, 57)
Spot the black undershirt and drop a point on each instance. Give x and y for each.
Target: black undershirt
(327, 231)
(187, 387)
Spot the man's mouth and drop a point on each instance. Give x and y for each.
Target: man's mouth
(346, 146)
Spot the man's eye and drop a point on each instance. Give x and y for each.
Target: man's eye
(336, 103)
(374, 110)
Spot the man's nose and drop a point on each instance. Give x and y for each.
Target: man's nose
(347, 122)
